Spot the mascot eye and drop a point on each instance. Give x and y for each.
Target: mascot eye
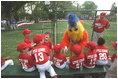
(70, 29)
(76, 28)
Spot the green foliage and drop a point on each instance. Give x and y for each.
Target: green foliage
(40, 10)
(114, 7)
(44, 12)
(21, 13)
(9, 7)
(89, 5)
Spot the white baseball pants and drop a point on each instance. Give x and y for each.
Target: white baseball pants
(7, 63)
(96, 36)
(46, 67)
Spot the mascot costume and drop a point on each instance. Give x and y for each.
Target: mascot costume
(75, 33)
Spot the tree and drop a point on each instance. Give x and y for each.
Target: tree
(25, 12)
(113, 13)
(62, 5)
(48, 10)
(9, 8)
(88, 5)
(113, 7)
(40, 11)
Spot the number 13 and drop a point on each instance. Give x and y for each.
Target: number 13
(39, 57)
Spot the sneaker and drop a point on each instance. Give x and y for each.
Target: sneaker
(55, 76)
(11, 62)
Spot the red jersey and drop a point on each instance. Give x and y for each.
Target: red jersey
(41, 54)
(102, 52)
(26, 60)
(113, 57)
(76, 61)
(100, 25)
(90, 58)
(48, 44)
(2, 60)
(59, 59)
(28, 41)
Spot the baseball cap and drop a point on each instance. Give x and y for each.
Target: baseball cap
(90, 45)
(37, 38)
(114, 44)
(3, 60)
(76, 49)
(22, 46)
(103, 14)
(57, 48)
(26, 31)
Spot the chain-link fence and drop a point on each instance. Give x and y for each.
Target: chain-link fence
(10, 38)
(88, 17)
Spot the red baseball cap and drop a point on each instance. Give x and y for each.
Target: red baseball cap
(103, 14)
(37, 38)
(62, 44)
(22, 46)
(114, 44)
(57, 48)
(76, 49)
(26, 31)
(3, 60)
(90, 45)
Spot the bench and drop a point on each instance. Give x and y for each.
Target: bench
(16, 72)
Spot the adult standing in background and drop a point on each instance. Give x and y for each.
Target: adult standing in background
(99, 25)
(13, 24)
(4, 24)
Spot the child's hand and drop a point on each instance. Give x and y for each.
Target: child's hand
(65, 49)
(51, 58)
(33, 44)
(109, 58)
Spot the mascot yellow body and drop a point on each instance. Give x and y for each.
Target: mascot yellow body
(78, 34)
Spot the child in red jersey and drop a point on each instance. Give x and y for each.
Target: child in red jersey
(59, 59)
(6, 62)
(76, 61)
(41, 53)
(26, 61)
(90, 55)
(26, 34)
(27, 39)
(102, 52)
(47, 41)
(114, 56)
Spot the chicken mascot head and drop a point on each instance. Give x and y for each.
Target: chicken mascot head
(72, 21)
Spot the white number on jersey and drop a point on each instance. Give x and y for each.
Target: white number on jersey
(23, 63)
(39, 57)
(77, 63)
(57, 61)
(102, 56)
(92, 61)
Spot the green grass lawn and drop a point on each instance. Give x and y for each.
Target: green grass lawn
(10, 39)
